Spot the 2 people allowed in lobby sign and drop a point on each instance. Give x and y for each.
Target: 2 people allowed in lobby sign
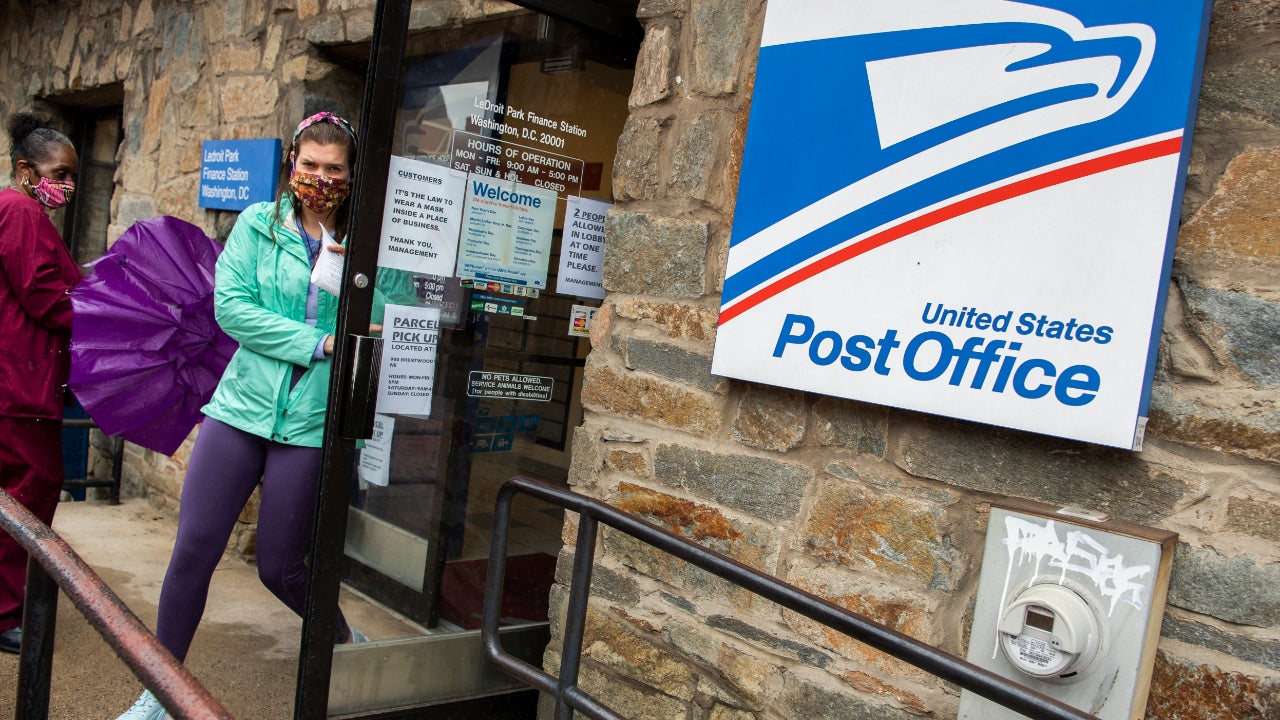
(36, 275)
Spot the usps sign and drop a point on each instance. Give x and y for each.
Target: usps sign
(964, 207)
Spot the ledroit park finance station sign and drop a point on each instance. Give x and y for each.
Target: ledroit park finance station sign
(964, 207)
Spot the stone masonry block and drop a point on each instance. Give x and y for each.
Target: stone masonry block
(1186, 690)
(718, 42)
(1051, 470)
(758, 634)
(586, 457)
(888, 606)
(629, 699)
(612, 585)
(687, 583)
(1190, 422)
(1249, 326)
(900, 537)
(770, 418)
(869, 685)
(248, 97)
(1254, 517)
(741, 677)
(624, 651)
(630, 462)
(1255, 650)
(765, 488)
(649, 255)
(654, 8)
(635, 168)
(688, 322)
(651, 399)
(654, 66)
(803, 699)
(750, 544)
(674, 362)
(1234, 589)
(693, 161)
(855, 426)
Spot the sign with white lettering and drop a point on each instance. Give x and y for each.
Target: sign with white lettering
(506, 232)
(420, 217)
(987, 231)
(582, 249)
(410, 336)
(509, 386)
(235, 174)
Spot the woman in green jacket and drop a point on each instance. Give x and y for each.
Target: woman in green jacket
(265, 422)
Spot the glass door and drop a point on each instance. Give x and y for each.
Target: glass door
(489, 249)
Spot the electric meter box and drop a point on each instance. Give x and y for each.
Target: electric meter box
(1069, 604)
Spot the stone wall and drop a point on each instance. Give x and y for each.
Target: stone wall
(884, 511)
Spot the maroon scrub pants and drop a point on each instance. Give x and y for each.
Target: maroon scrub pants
(30, 471)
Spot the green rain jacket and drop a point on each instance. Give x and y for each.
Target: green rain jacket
(260, 300)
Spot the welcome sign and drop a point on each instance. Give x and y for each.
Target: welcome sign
(964, 207)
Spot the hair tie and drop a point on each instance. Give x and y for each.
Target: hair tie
(323, 116)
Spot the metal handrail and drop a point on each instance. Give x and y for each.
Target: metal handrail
(53, 565)
(591, 512)
(117, 462)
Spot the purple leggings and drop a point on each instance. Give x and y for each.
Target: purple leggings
(226, 465)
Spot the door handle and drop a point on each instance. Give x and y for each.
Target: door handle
(360, 375)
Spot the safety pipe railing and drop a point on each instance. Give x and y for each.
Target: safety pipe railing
(112, 484)
(53, 565)
(591, 513)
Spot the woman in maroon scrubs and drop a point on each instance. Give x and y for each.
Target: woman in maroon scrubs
(36, 275)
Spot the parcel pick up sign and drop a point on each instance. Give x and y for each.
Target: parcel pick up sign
(964, 207)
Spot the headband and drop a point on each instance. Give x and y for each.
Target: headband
(324, 116)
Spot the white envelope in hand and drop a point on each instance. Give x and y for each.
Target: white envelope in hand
(327, 273)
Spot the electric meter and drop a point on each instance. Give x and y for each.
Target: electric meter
(1049, 631)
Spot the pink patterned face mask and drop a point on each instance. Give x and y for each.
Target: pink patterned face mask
(53, 194)
(317, 192)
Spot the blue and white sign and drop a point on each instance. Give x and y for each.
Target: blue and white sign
(235, 174)
(964, 207)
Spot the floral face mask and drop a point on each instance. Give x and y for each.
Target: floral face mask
(52, 194)
(317, 192)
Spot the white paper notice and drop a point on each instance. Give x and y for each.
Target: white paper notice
(375, 458)
(582, 249)
(327, 273)
(409, 335)
(507, 230)
(420, 219)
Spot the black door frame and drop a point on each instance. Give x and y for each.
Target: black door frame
(353, 389)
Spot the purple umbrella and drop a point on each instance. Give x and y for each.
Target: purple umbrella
(146, 352)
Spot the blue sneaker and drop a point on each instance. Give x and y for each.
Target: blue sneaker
(147, 707)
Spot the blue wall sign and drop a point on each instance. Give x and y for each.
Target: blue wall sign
(964, 207)
(234, 174)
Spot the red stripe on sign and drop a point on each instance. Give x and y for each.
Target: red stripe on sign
(1026, 186)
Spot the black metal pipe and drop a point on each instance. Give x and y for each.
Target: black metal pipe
(35, 660)
(576, 613)
(937, 662)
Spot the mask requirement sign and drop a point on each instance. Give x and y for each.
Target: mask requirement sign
(981, 226)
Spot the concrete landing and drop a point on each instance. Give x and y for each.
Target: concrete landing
(245, 651)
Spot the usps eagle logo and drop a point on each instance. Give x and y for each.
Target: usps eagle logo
(963, 206)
